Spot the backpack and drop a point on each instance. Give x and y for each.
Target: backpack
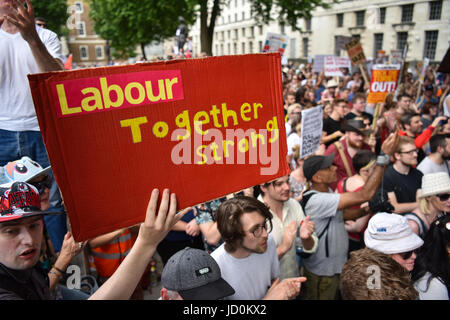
(303, 203)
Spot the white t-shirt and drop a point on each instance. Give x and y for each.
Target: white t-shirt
(427, 166)
(436, 290)
(250, 277)
(17, 111)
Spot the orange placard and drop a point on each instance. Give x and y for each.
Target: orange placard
(384, 80)
(201, 127)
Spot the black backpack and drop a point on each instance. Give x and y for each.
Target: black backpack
(303, 202)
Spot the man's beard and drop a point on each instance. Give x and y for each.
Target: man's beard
(355, 145)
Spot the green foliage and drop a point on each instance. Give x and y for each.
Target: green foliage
(288, 12)
(127, 24)
(54, 12)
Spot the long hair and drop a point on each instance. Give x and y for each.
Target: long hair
(433, 255)
(228, 219)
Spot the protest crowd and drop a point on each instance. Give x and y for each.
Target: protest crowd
(363, 216)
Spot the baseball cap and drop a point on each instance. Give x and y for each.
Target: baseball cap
(19, 200)
(24, 169)
(316, 163)
(390, 233)
(195, 275)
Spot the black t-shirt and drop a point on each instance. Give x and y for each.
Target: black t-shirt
(404, 186)
(329, 126)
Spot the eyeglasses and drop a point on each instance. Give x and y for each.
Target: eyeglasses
(407, 255)
(42, 184)
(258, 231)
(443, 197)
(42, 25)
(410, 152)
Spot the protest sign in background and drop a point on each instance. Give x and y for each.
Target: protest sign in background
(275, 43)
(201, 127)
(355, 51)
(332, 65)
(383, 80)
(319, 60)
(311, 133)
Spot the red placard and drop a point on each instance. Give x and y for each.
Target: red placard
(201, 127)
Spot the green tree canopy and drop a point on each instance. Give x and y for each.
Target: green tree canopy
(127, 24)
(54, 12)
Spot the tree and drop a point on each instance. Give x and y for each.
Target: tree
(127, 24)
(287, 12)
(54, 12)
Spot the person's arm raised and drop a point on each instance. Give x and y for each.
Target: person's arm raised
(122, 283)
(23, 19)
(349, 199)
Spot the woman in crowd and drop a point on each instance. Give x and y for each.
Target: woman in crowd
(434, 202)
(431, 274)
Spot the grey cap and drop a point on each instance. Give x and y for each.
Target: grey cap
(195, 275)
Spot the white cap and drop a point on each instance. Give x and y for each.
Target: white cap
(390, 233)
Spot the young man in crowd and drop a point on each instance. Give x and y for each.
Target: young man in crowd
(21, 232)
(326, 209)
(401, 179)
(359, 107)
(287, 218)
(345, 149)
(248, 259)
(437, 160)
(332, 125)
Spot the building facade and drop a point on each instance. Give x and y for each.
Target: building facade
(380, 25)
(87, 48)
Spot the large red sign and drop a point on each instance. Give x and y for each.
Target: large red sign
(201, 127)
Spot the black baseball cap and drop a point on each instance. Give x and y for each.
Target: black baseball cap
(316, 163)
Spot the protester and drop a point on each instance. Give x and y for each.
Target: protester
(297, 180)
(26, 49)
(346, 148)
(332, 125)
(437, 160)
(401, 179)
(287, 219)
(21, 229)
(431, 271)
(192, 274)
(372, 275)
(359, 107)
(323, 268)
(248, 259)
(434, 202)
(364, 163)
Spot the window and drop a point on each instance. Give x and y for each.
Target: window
(229, 34)
(282, 29)
(235, 34)
(407, 12)
(250, 47)
(243, 15)
(235, 17)
(377, 43)
(431, 38)
(243, 47)
(81, 28)
(305, 47)
(221, 49)
(340, 20)
(382, 15)
(308, 24)
(99, 52)
(78, 7)
(84, 53)
(229, 48)
(243, 32)
(360, 18)
(260, 44)
(252, 31)
(260, 30)
(234, 48)
(292, 46)
(402, 38)
(435, 10)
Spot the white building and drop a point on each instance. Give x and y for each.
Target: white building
(380, 24)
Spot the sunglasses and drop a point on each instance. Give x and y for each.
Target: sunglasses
(43, 184)
(407, 255)
(443, 197)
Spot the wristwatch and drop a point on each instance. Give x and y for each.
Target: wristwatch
(383, 159)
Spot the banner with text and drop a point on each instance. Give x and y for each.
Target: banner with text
(311, 133)
(203, 128)
(383, 80)
(333, 65)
